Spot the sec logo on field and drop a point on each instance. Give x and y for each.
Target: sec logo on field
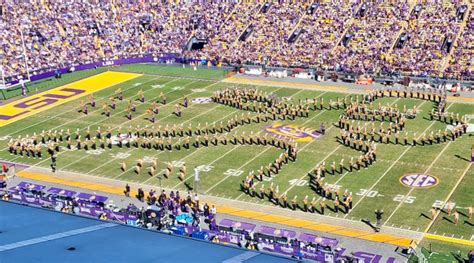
(419, 180)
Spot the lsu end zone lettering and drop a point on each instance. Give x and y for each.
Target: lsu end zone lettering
(46, 100)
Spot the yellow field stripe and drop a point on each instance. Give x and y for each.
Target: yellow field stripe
(324, 227)
(378, 237)
(450, 239)
(460, 99)
(273, 218)
(247, 214)
(49, 99)
(298, 223)
(227, 210)
(403, 242)
(244, 213)
(351, 232)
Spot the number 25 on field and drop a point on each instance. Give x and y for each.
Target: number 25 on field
(405, 199)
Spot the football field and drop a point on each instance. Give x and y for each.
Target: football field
(404, 181)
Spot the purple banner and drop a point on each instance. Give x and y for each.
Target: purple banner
(93, 198)
(28, 186)
(271, 231)
(62, 192)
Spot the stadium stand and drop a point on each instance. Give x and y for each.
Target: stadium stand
(428, 39)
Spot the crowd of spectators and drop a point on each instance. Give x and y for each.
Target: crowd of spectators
(367, 42)
(427, 30)
(353, 36)
(462, 64)
(271, 30)
(320, 32)
(225, 43)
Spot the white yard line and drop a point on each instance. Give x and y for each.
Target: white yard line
(131, 150)
(189, 155)
(154, 98)
(324, 110)
(223, 179)
(346, 173)
(233, 112)
(413, 188)
(235, 147)
(306, 174)
(159, 152)
(325, 158)
(227, 176)
(121, 112)
(83, 115)
(449, 197)
(220, 157)
(391, 166)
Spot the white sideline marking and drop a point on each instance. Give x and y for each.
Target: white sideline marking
(47, 238)
(241, 257)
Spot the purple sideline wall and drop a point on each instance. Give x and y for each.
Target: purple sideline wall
(106, 63)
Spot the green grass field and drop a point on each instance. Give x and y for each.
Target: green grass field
(376, 187)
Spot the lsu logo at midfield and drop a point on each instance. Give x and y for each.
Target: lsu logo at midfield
(48, 99)
(419, 180)
(299, 134)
